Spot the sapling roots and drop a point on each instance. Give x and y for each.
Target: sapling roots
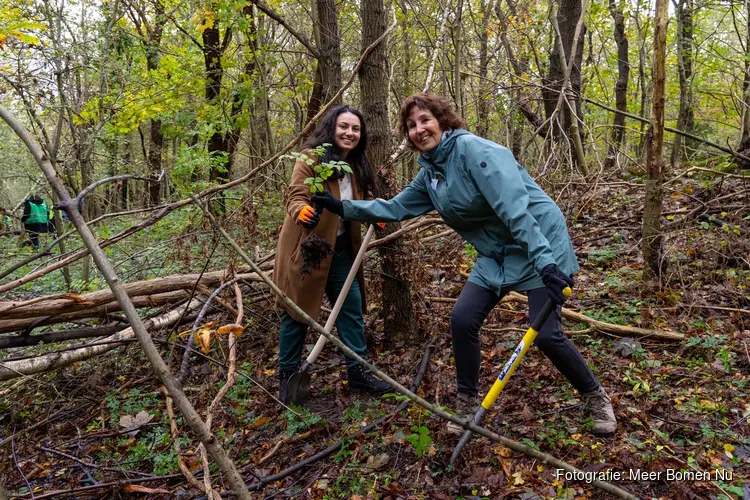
(314, 250)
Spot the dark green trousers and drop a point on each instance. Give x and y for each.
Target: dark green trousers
(350, 323)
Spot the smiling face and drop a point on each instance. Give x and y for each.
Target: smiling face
(424, 130)
(348, 129)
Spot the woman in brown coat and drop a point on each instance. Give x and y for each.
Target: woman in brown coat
(344, 129)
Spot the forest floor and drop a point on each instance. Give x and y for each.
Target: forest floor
(681, 406)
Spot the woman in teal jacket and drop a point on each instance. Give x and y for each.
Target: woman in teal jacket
(519, 233)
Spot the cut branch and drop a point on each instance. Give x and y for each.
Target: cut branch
(593, 323)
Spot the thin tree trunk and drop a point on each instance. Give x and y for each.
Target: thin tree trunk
(155, 136)
(485, 95)
(621, 86)
(643, 82)
(330, 51)
(212, 53)
(652, 236)
(457, 34)
(398, 309)
(745, 133)
(567, 19)
(686, 116)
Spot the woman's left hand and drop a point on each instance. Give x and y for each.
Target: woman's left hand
(329, 202)
(555, 281)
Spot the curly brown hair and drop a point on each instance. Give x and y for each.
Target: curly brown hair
(438, 105)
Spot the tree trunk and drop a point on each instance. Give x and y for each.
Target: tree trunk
(686, 116)
(652, 237)
(485, 89)
(642, 81)
(457, 35)
(156, 137)
(621, 86)
(567, 18)
(399, 322)
(745, 134)
(330, 53)
(212, 51)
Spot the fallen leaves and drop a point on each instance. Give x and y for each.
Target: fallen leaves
(203, 335)
(131, 424)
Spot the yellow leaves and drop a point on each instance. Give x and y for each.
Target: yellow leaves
(707, 404)
(204, 20)
(518, 478)
(502, 451)
(728, 449)
(203, 336)
(233, 328)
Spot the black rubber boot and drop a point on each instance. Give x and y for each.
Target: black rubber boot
(361, 380)
(284, 376)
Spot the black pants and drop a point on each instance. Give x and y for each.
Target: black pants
(33, 238)
(470, 311)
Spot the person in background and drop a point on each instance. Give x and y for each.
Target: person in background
(6, 222)
(519, 233)
(35, 218)
(344, 129)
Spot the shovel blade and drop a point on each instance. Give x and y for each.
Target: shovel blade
(298, 388)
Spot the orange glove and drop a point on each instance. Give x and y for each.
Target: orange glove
(308, 217)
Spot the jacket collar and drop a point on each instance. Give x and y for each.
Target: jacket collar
(438, 157)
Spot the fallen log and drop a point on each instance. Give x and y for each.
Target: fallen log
(10, 341)
(15, 325)
(623, 331)
(12, 369)
(69, 303)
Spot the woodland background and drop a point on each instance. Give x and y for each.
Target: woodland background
(134, 106)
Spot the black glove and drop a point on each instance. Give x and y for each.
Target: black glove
(329, 202)
(555, 280)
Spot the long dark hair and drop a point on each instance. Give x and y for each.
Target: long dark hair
(325, 132)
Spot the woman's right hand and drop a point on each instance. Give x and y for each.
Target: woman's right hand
(308, 217)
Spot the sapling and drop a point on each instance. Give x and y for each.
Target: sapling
(313, 248)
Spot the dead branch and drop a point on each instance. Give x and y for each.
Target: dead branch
(77, 200)
(623, 331)
(67, 303)
(12, 369)
(104, 310)
(9, 341)
(174, 433)
(514, 445)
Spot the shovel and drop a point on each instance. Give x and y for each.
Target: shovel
(508, 369)
(298, 388)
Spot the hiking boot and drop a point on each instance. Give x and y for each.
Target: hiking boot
(284, 376)
(361, 380)
(599, 406)
(466, 407)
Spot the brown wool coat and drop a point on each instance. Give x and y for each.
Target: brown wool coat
(308, 293)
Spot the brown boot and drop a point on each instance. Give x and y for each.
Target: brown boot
(597, 404)
(466, 407)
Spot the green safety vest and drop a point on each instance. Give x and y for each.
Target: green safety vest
(37, 213)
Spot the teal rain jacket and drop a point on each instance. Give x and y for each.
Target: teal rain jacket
(484, 195)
